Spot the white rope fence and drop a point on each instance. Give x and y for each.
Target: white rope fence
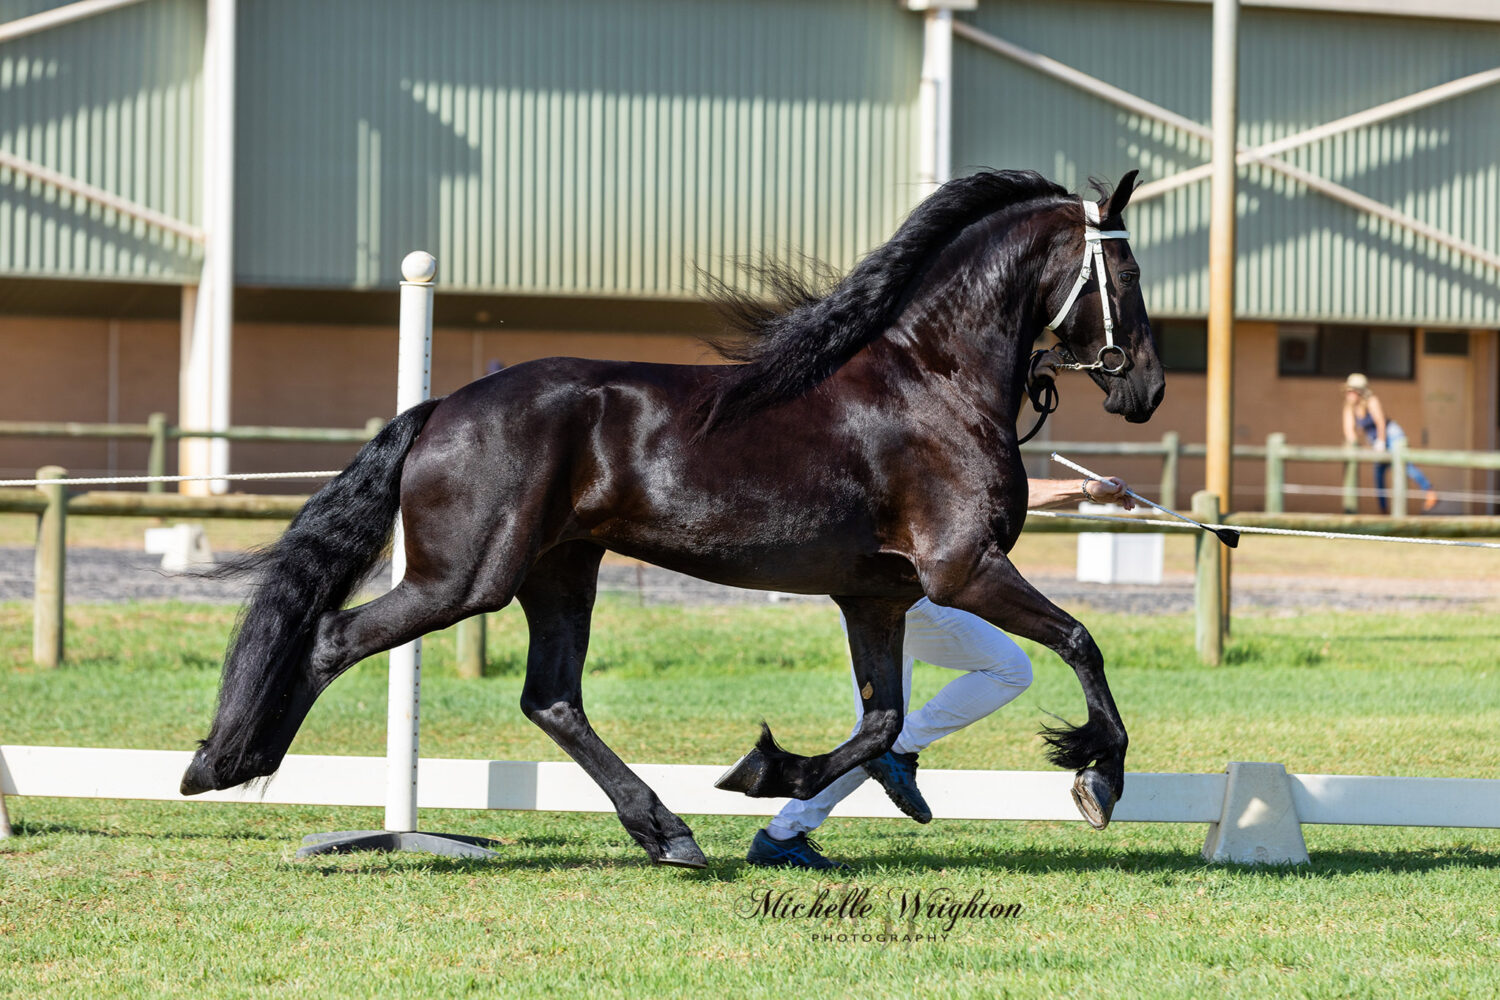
(125, 480)
(1253, 530)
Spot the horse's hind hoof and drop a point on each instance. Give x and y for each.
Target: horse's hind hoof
(682, 852)
(1093, 798)
(747, 776)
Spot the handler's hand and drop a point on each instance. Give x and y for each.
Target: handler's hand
(1111, 489)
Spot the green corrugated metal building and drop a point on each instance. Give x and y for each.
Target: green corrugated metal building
(578, 167)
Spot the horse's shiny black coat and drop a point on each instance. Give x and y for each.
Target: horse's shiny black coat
(866, 449)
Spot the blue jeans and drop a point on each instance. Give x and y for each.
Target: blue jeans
(1383, 470)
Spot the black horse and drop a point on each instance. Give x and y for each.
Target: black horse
(865, 449)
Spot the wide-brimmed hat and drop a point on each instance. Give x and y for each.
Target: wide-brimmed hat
(1358, 383)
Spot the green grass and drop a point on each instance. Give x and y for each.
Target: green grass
(166, 899)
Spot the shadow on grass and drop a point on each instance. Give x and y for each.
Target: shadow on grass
(1325, 865)
(25, 828)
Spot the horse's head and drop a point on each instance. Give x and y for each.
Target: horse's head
(1091, 289)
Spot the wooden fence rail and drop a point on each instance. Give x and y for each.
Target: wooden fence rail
(158, 432)
(1276, 453)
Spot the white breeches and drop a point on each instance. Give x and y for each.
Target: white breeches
(994, 671)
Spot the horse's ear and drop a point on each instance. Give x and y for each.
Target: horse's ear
(1120, 197)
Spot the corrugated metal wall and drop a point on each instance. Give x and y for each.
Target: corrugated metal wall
(113, 100)
(614, 146)
(1301, 255)
(576, 146)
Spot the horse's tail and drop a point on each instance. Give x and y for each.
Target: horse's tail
(324, 555)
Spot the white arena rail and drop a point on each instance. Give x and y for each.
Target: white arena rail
(1254, 811)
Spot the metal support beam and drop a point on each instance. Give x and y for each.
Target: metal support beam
(1361, 119)
(1156, 112)
(57, 16)
(99, 196)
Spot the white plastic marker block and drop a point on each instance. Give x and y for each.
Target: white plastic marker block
(181, 547)
(1118, 558)
(1259, 824)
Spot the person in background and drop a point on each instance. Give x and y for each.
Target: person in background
(1363, 414)
(993, 671)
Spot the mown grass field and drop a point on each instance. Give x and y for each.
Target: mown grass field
(184, 900)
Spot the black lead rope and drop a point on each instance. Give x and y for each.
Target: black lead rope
(1043, 393)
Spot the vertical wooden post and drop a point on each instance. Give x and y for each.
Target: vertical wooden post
(1224, 102)
(471, 633)
(48, 597)
(1208, 595)
(5, 830)
(1275, 473)
(1351, 483)
(1398, 478)
(1171, 444)
(156, 457)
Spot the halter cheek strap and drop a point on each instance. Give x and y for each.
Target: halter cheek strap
(1093, 254)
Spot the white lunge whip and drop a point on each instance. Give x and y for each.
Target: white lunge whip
(1228, 536)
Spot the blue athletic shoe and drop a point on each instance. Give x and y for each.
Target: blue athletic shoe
(897, 774)
(794, 852)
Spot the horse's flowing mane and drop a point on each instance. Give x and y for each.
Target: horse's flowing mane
(803, 335)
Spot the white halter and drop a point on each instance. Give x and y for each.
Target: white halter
(1093, 251)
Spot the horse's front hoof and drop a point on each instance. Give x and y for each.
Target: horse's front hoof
(682, 852)
(1092, 796)
(199, 777)
(748, 776)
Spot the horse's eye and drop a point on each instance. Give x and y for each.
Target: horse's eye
(1127, 278)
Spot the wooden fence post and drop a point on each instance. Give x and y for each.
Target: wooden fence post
(1275, 473)
(156, 457)
(1171, 444)
(48, 596)
(1351, 482)
(1208, 593)
(1398, 478)
(471, 634)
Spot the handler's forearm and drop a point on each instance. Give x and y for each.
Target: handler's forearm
(1044, 493)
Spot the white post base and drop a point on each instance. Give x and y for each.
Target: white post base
(1259, 824)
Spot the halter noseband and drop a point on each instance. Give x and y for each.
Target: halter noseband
(1093, 252)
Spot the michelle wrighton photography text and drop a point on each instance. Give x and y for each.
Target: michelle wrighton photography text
(941, 907)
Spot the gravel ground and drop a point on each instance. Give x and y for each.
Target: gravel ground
(102, 575)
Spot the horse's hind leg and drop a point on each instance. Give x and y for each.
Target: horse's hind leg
(558, 598)
(876, 630)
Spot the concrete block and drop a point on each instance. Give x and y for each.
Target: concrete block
(1259, 824)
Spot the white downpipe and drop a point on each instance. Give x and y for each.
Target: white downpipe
(413, 384)
(936, 101)
(219, 195)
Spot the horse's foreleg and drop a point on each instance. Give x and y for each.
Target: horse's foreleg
(1001, 596)
(558, 598)
(876, 629)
